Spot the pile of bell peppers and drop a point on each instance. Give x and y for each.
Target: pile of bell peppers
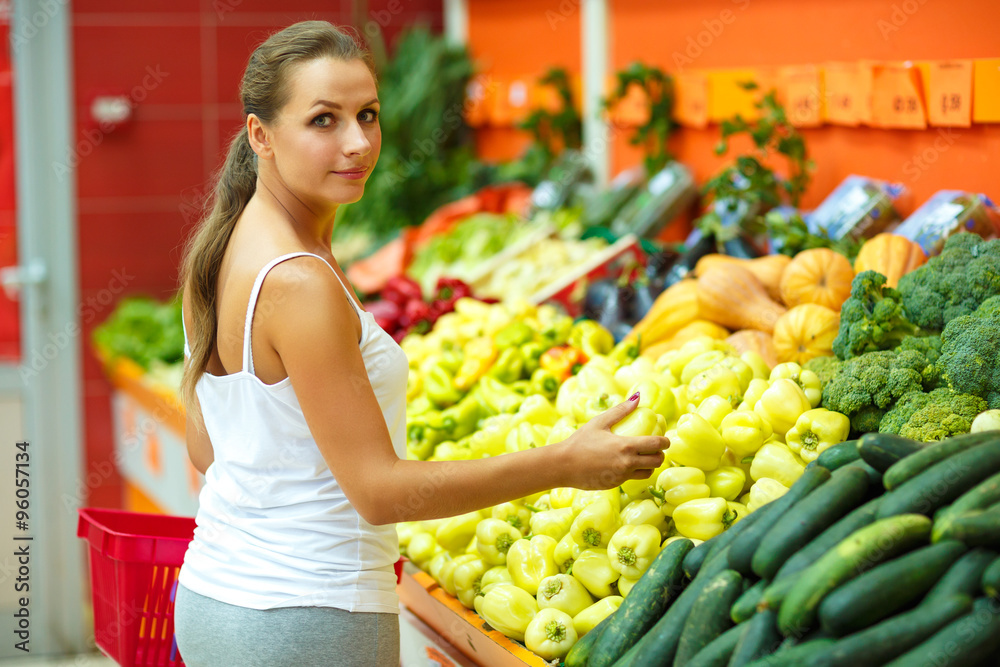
(545, 569)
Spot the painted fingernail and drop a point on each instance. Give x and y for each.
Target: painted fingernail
(634, 397)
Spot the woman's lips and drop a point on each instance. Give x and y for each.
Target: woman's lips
(353, 174)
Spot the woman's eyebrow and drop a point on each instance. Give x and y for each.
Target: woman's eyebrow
(334, 105)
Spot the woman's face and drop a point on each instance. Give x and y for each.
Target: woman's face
(326, 139)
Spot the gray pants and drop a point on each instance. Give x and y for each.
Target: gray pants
(215, 634)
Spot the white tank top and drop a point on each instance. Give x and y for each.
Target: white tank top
(274, 528)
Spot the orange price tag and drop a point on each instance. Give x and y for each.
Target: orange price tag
(727, 96)
(841, 102)
(949, 93)
(986, 100)
(691, 102)
(896, 98)
(802, 89)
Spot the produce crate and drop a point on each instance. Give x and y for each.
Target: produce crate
(461, 627)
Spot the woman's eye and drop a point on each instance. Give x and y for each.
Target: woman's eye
(324, 120)
(369, 115)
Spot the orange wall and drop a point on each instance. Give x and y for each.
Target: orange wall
(783, 32)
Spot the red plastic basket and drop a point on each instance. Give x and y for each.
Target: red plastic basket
(134, 561)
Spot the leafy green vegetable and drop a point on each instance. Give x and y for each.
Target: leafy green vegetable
(144, 330)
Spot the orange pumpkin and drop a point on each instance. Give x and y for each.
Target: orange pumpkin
(819, 276)
(804, 332)
(891, 255)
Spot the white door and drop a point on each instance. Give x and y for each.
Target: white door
(41, 590)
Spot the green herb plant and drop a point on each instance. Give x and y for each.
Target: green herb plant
(653, 134)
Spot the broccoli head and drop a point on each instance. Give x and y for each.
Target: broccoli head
(872, 318)
(934, 416)
(922, 353)
(953, 283)
(970, 352)
(824, 367)
(868, 385)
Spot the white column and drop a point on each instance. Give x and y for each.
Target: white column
(456, 21)
(594, 24)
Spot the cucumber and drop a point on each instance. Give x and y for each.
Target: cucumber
(915, 464)
(746, 605)
(964, 577)
(864, 549)
(882, 450)
(809, 517)
(718, 651)
(874, 476)
(760, 638)
(580, 653)
(976, 529)
(742, 549)
(965, 641)
(659, 645)
(894, 636)
(722, 541)
(776, 592)
(709, 615)
(991, 579)
(943, 482)
(839, 455)
(886, 588)
(658, 587)
(829, 538)
(696, 557)
(979, 497)
(796, 656)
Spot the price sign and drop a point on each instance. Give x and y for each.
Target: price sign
(727, 96)
(803, 92)
(986, 82)
(691, 103)
(896, 98)
(842, 104)
(949, 93)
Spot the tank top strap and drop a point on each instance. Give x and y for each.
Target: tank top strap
(255, 292)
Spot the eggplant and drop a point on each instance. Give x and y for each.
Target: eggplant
(597, 294)
(705, 245)
(617, 307)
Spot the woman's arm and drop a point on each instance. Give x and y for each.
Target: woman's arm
(199, 445)
(313, 329)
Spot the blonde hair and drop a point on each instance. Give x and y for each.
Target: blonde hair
(264, 91)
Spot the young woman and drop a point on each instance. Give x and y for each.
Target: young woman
(296, 398)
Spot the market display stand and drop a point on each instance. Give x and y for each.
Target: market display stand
(150, 451)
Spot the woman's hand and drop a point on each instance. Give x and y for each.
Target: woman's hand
(596, 458)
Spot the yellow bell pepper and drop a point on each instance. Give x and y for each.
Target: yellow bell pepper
(584, 498)
(526, 436)
(562, 429)
(554, 523)
(640, 422)
(676, 486)
(763, 491)
(437, 563)
(593, 380)
(816, 431)
(421, 548)
(515, 513)
(568, 396)
(692, 349)
(777, 462)
(640, 489)
(632, 549)
(405, 530)
(498, 574)
(715, 381)
(456, 531)
(714, 409)
(563, 592)
(449, 568)
(742, 369)
(508, 609)
(593, 569)
(753, 393)
(567, 551)
(591, 337)
(551, 634)
(633, 373)
(480, 353)
(726, 482)
(674, 538)
(494, 539)
(589, 618)
(644, 512)
(537, 409)
(705, 518)
(697, 444)
(662, 363)
(595, 524)
(730, 459)
(655, 395)
(808, 381)
(467, 578)
(562, 496)
(531, 560)
(595, 405)
(756, 362)
(744, 432)
(782, 404)
(625, 585)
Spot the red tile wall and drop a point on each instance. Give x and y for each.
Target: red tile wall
(180, 61)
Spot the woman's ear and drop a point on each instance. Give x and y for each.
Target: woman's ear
(259, 137)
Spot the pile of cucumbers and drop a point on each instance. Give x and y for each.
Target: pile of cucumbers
(886, 551)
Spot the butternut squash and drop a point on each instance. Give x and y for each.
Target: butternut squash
(768, 269)
(804, 332)
(676, 307)
(684, 334)
(820, 275)
(755, 340)
(732, 296)
(891, 255)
